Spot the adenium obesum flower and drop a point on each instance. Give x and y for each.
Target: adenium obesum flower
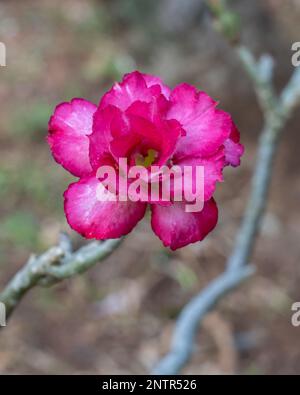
(143, 120)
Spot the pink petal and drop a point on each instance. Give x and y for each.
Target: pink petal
(132, 88)
(161, 136)
(213, 168)
(206, 127)
(95, 219)
(233, 149)
(140, 128)
(177, 228)
(153, 111)
(107, 122)
(189, 104)
(147, 121)
(68, 129)
(153, 80)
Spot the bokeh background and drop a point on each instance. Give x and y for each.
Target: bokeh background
(118, 317)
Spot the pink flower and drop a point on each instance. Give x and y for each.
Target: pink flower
(142, 119)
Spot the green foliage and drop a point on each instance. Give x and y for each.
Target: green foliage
(185, 276)
(32, 184)
(117, 66)
(227, 21)
(134, 11)
(4, 183)
(31, 121)
(108, 66)
(20, 228)
(180, 272)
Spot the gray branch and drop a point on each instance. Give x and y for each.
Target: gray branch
(187, 324)
(276, 111)
(54, 265)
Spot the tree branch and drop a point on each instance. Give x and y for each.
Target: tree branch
(187, 323)
(276, 111)
(54, 265)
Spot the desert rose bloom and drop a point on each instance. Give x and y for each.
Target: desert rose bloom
(136, 118)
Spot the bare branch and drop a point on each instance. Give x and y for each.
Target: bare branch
(65, 243)
(54, 265)
(261, 74)
(191, 315)
(290, 97)
(276, 111)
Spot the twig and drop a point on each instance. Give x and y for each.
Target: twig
(276, 111)
(54, 265)
(188, 321)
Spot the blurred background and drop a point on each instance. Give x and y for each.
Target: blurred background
(118, 317)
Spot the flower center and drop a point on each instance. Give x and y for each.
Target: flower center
(148, 160)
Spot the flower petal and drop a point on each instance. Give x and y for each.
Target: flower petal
(213, 168)
(68, 129)
(96, 219)
(132, 88)
(153, 80)
(206, 127)
(161, 136)
(177, 228)
(188, 104)
(107, 122)
(233, 149)
(153, 111)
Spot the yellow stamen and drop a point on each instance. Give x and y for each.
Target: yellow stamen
(147, 160)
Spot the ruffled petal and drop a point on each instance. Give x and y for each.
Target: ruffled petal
(96, 219)
(188, 104)
(132, 88)
(140, 128)
(206, 127)
(153, 111)
(177, 228)
(107, 123)
(153, 80)
(213, 168)
(233, 149)
(161, 136)
(69, 127)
